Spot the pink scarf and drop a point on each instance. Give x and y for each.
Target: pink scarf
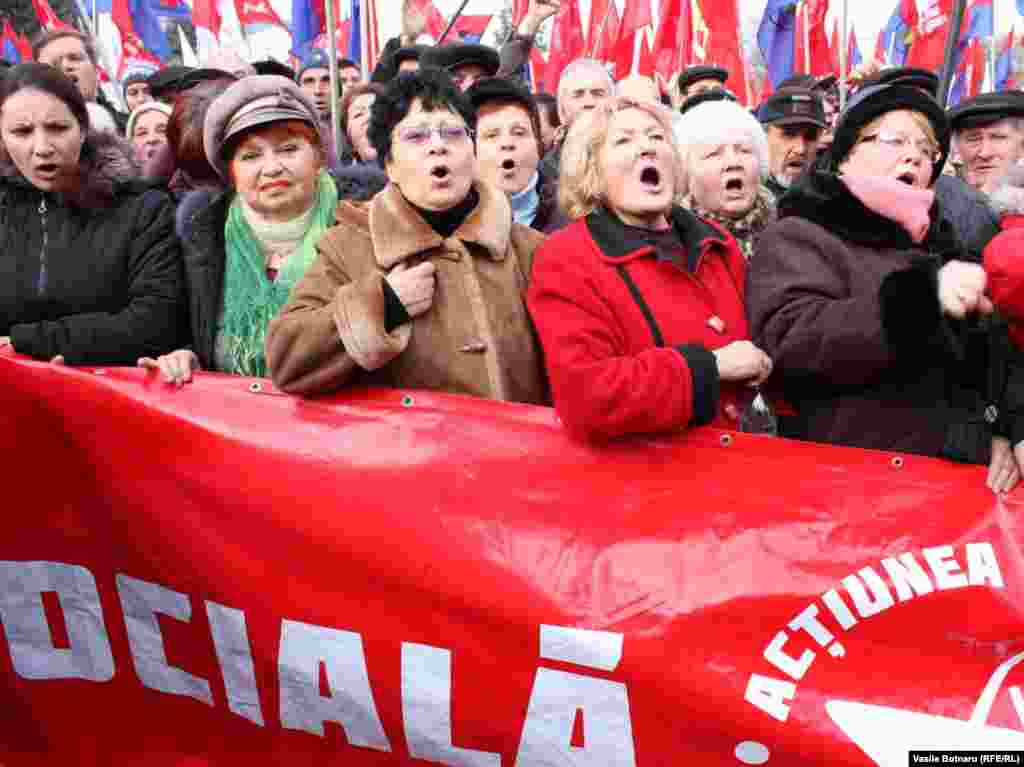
(894, 200)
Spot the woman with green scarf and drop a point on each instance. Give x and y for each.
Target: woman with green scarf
(247, 245)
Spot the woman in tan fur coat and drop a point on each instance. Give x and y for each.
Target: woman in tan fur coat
(423, 287)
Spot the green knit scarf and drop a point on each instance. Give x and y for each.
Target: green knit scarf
(251, 300)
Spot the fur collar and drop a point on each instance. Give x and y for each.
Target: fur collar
(821, 197)
(399, 232)
(107, 164)
(1008, 198)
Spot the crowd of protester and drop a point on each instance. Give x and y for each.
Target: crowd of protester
(644, 257)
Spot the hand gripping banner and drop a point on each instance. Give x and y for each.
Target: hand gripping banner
(222, 575)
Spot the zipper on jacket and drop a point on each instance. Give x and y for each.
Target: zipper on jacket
(41, 284)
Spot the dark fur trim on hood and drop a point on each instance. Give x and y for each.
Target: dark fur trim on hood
(107, 164)
(821, 197)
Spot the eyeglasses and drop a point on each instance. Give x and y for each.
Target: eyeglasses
(418, 135)
(899, 142)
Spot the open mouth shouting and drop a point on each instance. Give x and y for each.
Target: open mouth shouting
(47, 170)
(441, 175)
(735, 185)
(907, 177)
(650, 178)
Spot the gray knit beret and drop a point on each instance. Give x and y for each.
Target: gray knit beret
(253, 101)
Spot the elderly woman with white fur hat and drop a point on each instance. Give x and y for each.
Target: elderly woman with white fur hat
(725, 156)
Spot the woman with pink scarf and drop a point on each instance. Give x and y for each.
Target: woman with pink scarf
(866, 301)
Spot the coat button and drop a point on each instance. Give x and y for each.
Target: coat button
(474, 348)
(991, 414)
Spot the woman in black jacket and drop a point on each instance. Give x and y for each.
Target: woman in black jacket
(91, 268)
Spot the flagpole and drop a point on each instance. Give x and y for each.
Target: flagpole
(844, 54)
(992, 51)
(332, 63)
(599, 36)
(952, 37)
(452, 22)
(807, 39)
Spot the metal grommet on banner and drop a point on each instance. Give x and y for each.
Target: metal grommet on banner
(896, 462)
(407, 401)
(255, 387)
(725, 440)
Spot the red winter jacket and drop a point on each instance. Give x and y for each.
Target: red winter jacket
(628, 334)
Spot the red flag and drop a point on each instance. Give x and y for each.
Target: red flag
(928, 48)
(852, 51)
(622, 54)
(435, 24)
(598, 17)
(47, 18)
(24, 47)
(602, 51)
(880, 52)
(972, 69)
(635, 16)
(674, 38)
(206, 14)
(723, 48)
(812, 56)
(519, 9)
(251, 12)
(645, 64)
(566, 42)
(833, 46)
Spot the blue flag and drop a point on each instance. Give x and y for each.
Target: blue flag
(776, 39)
(894, 38)
(306, 25)
(147, 27)
(978, 22)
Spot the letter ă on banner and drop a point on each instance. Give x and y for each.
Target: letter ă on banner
(219, 574)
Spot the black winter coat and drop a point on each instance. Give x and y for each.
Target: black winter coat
(95, 277)
(847, 307)
(200, 225)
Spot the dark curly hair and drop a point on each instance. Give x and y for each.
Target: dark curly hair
(434, 89)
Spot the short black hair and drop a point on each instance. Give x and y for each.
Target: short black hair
(434, 89)
(348, 64)
(50, 80)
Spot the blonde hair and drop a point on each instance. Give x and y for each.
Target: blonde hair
(581, 184)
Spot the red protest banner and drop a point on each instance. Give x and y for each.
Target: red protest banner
(223, 575)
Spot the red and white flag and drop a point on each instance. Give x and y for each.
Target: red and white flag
(47, 18)
(133, 53)
(257, 12)
(206, 20)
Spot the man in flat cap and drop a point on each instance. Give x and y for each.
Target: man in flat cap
(696, 80)
(465, 62)
(988, 131)
(794, 119)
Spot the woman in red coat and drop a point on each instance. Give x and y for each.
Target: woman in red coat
(638, 303)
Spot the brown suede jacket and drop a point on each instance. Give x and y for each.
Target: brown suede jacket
(475, 339)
